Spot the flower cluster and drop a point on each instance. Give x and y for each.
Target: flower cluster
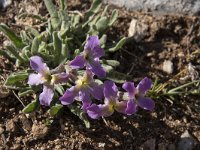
(98, 100)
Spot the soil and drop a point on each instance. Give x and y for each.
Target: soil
(173, 38)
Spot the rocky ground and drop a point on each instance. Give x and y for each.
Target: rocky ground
(161, 47)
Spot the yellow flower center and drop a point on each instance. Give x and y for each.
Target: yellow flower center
(82, 82)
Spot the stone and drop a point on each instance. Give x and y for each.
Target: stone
(171, 147)
(149, 144)
(4, 92)
(1, 130)
(39, 130)
(189, 7)
(186, 142)
(168, 66)
(10, 126)
(4, 4)
(137, 30)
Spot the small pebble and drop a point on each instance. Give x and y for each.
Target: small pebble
(1, 130)
(39, 130)
(168, 67)
(10, 126)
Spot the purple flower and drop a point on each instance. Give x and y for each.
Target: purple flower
(111, 103)
(90, 57)
(85, 86)
(44, 77)
(137, 95)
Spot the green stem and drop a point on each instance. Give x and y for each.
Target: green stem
(182, 86)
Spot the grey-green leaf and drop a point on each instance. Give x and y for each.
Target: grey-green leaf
(95, 7)
(57, 44)
(78, 112)
(32, 31)
(117, 77)
(17, 41)
(25, 91)
(50, 7)
(31, 107)
(113, 17)
(15, 78)
(118, 45)
(6, 55)
(113, 63)
(102, 24)
(13, 50)
(35, 46)
(54, 110)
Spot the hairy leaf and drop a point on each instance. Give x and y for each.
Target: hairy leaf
(17, 41)
(54, 110)
(118, 45)
(31, 107)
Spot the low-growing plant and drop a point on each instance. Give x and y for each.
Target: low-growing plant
(63, 65)
(66, 66)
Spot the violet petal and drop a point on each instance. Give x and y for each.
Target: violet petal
(146, 103)
(46, 96)
(121, 106)
(38, 65)
(130, 88)
(144, 86)
(97, 91)
(84, 95)
(107, 110)
(94, 111)
(98, 52)
(96, 68)
(78, 62)
(91, 43)
(69, 96)
(35, 79)
(110, 89)
(60, 78)
(131, 107)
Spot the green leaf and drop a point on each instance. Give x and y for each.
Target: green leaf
(57, 44)
(17, 41)
(26, 15)
(55, 21)
(76, 20)
(118, 45)
(26, 54)
(14, 52)
(102, 24)
(78, 112)
(50, 7)
(31, 107)
(117, 77)
(54, 110)
(113, 63)
(113, 17)
(25, 91)
(64, 53)
(63, 4)
(6, 55)
(25, 38)
(107, 67)
(104, 11)
(16, 78)
(59, 89)
(103, 39)
(95, 7)
(35, 46)
(32, 31)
